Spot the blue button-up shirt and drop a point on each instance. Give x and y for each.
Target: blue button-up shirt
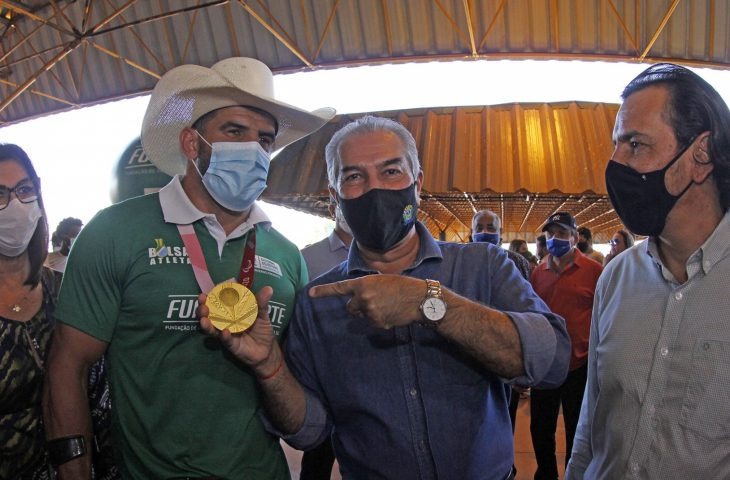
(406, 402)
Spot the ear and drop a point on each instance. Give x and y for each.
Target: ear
(334, 199)
(703, 165)
(189, 143)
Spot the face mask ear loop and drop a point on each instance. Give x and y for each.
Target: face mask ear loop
(679, 155)
(195, 162)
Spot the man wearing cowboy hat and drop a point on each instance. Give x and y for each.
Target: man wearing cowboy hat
(183, 407)
(425, 335)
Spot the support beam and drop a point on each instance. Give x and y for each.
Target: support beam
(129, 62)
(293, 48)
(659, 29)
(326, 29)
(492, 22)
(27, 13)
(452, 21)
(527, 214)
(453, 214)
(470, 27)
(34, 78)
(621, 22)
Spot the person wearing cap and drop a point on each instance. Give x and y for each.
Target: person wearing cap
(425, 345)
(659, 357)
(566, 281)
(585, 245)
(183, 406)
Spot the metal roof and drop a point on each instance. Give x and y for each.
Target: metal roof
(60, 54)
(523, 161)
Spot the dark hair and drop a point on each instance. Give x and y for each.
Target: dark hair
(628, 238)
(542, 241)
(694, 107)
(515, 244)
(38, 246)
(63, 228)
(201, 122)
(586, 232)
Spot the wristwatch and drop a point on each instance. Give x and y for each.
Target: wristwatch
(433, 307)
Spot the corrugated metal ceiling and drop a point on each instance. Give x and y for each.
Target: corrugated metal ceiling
(523, 161)
(63, 53)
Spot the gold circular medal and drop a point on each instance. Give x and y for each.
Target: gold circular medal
(231, 306)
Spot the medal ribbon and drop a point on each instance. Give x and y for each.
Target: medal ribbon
(200, 269)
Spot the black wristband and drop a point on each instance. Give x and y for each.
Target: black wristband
(65, 449)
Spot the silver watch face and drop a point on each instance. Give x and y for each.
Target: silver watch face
(433, 309)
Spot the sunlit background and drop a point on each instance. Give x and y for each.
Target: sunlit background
(75, 152)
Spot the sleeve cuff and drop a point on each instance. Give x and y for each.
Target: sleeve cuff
(315, 429)
(545, 349)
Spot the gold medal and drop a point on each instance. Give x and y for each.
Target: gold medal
(231, 306)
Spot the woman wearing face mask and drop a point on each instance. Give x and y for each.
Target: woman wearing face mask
(622, 240)
(26, 322)
(27, 300)
(519, 245)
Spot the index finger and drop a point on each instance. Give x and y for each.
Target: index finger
(342, 288)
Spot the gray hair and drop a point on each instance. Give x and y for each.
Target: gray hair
(485, 212)
(368, 124)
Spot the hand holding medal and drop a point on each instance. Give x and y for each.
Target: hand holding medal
(231, 306)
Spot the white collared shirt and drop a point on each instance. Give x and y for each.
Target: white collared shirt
(178, 209)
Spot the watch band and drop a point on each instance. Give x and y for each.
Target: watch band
(65, 449)
(433, 288)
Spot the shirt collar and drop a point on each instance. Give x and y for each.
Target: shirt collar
(705, 258)
(179, 210)
(336, 243)
(579, 260)
(428, 248)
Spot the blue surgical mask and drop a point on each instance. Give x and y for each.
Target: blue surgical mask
(558, 247)
(236, 175)
(487, 237)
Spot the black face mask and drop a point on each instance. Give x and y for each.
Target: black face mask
(380, 218)
(582, 246)
(641, 199)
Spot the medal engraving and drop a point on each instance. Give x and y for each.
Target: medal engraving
(231, 306)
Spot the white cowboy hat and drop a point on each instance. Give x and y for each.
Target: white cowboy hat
(186, 93)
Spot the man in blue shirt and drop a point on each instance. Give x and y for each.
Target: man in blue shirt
(404, 354)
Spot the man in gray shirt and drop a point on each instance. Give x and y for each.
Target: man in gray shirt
(331, 250)
(321, 257)
(659, 355)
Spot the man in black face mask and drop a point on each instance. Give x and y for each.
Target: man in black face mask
(658, 363)
(403, 355)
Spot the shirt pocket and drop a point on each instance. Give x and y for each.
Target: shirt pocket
(708, 390)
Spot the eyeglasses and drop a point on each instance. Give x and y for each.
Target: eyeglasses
(613, 242)
(25, 191)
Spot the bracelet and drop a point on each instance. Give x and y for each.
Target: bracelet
(273, 374)
(65, 449)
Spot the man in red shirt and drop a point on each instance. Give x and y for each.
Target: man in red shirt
(566, 281)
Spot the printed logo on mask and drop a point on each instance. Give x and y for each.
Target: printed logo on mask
(408, 214)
